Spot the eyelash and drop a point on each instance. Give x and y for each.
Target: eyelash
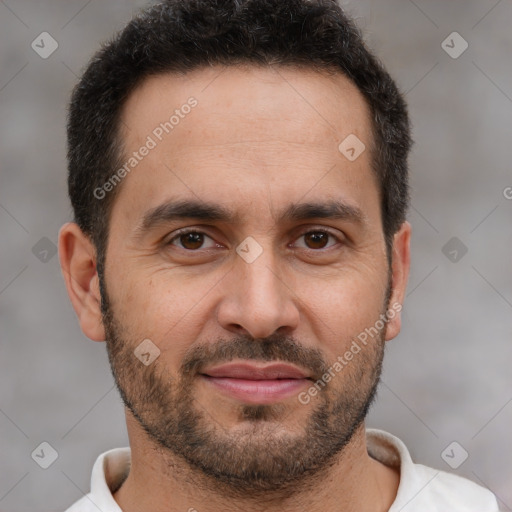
(195, 231)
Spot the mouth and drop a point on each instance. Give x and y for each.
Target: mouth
(256, 384)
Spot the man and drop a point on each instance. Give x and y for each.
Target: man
(238, 173)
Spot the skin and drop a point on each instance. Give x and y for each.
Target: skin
(258, 140)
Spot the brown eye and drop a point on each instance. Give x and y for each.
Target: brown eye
(192, 241)
(316, 240)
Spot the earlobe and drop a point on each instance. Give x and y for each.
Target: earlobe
(400, 274)
(77, 257)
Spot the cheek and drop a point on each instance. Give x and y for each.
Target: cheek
(169, 311)
(340, 310)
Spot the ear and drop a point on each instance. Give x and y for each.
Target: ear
(77, 257)
(400, 265)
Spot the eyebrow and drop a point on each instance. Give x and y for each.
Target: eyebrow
(212, 212)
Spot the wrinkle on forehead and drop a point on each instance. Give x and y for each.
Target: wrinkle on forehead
(296, 106)
(257, 137)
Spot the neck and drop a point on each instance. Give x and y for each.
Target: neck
(160, 481)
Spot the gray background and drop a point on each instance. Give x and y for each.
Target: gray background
(447, 376)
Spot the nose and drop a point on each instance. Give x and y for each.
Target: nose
(257, 300)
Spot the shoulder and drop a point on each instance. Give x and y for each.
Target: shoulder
(424, 489)
(447, 491)
(109, 470)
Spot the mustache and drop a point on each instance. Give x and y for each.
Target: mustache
(277, 347)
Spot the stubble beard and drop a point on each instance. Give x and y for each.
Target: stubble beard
(261, 457)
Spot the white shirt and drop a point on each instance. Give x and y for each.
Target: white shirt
(421, 489)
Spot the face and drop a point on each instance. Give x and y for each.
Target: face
(249, 250)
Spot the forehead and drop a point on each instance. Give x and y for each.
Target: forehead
(313, 107)
(233, 134)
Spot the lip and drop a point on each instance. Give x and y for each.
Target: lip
(251, 371)
(254, 384)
